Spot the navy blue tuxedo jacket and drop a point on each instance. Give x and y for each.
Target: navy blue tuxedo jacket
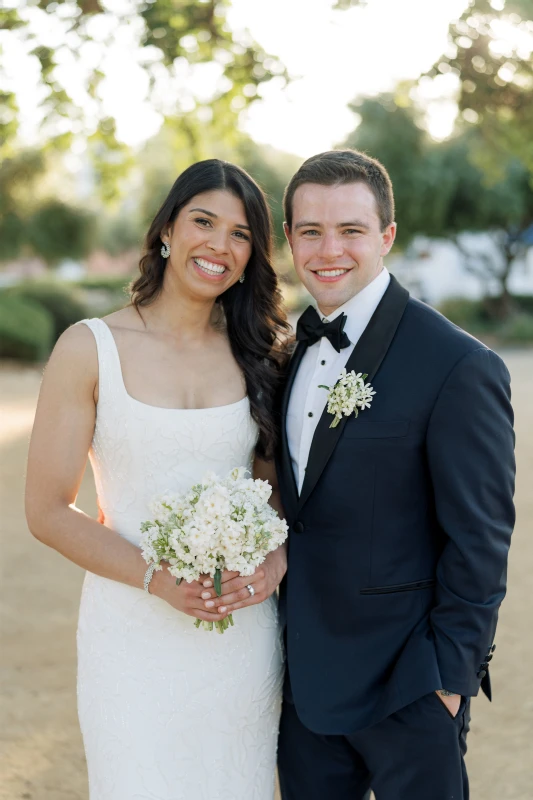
(398, 542)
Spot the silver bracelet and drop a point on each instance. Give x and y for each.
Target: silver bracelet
(148, 575)
(445, 693)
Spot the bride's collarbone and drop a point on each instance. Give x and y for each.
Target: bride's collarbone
(182, 379)
(159, 370)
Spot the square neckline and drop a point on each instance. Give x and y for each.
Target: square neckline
(149, 405)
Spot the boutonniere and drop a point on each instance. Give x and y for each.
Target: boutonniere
(349, 395)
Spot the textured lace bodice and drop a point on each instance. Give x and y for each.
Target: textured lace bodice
(140, 451)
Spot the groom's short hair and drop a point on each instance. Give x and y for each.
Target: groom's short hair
(337, 167)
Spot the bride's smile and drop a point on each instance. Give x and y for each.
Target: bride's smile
(210, 244)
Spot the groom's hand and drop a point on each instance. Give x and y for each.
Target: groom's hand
(452, 702)
(264, 581)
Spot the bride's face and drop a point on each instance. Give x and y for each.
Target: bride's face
(210, 244)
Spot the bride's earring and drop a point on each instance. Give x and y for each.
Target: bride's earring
(165, 250)
(241, 279)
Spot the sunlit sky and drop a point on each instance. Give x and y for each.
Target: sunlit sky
(333, 56)
(340, 55)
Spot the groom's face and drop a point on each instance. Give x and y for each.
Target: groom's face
(336, 241)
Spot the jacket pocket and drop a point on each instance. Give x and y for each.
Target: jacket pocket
(359, 429)
(399, 587)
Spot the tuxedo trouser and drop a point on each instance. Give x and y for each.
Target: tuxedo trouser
(415, 754)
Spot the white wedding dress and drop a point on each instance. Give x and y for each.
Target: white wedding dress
(169, 712)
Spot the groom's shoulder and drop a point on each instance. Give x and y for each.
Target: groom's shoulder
(430, 338)
(434, 331)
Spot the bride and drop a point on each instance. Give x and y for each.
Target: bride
(181, 382)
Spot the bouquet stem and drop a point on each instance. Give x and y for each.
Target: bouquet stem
(221, 625)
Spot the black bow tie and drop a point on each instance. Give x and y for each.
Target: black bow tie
(311, 329)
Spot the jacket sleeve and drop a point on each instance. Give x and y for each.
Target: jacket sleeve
(470, 450)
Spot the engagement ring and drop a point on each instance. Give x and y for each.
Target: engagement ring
(251, 590)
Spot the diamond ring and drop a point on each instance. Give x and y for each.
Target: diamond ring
(251, 590)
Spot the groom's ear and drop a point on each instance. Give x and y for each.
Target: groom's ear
(288, 234)
(389, 235)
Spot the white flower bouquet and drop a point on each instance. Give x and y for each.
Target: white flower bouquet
(219, 524)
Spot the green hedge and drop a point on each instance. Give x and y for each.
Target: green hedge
(26, 329)
(473, 316)
(62, 302)
(517, 330)
(468, 314)
(110, 283)
(524, 302)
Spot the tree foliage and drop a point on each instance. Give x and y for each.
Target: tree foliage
(344, 5)
(170, 34)
(42, 227)
(491, 52)
(57, 231)
(440, 190)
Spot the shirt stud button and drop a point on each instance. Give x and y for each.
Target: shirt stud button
(310, 414)
(323, 363)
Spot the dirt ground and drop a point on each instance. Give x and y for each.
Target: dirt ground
(41, 749)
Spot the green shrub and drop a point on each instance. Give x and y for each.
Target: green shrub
(517, 330)
(62, 302)
(111, 283)
(468, 314)
(523, 302)
(26, 329)
(56, 231)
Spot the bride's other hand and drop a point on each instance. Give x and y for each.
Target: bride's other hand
(187, 597)
(264, 581)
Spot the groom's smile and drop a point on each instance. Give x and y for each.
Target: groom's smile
(337, 240)
(331, 274)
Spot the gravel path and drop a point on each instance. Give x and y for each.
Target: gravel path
(41, 749)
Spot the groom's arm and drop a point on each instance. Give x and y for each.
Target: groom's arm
(470, 449)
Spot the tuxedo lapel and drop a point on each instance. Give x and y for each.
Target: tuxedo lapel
(285, 460)
(367, 356)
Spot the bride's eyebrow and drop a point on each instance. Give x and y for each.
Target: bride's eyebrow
(214, 216)
(204, 211)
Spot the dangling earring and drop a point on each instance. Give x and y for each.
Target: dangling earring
(165, 250)
(241, 279)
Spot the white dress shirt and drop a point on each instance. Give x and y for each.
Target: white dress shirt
(322, 364)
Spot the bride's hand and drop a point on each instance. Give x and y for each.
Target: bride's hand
(264, 581)
(187, 597)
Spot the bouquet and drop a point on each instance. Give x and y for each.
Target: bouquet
(219, 524)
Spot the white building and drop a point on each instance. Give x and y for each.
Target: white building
(433, 269)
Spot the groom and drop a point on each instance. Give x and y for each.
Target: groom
(400, 517)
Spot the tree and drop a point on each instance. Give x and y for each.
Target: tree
(490, 51)
(56, 231)
(34, 224)
(390, 131)
(272, 170)
(170, 34)
(441, 191)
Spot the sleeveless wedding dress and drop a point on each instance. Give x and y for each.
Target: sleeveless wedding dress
(169, 712)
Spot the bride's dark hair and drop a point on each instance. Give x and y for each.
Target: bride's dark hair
(256, 323)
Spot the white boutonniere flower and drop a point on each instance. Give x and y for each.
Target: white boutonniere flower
(349, 395)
